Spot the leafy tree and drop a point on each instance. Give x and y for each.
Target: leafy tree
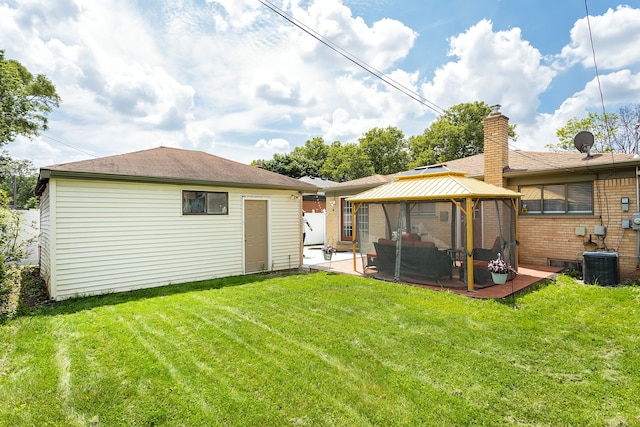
(315, 153)
(603, 127)
(346, 162)
(457, 133)
(25, 101)
(302, 161)
(25, 176)
(12, 248)
(284, 164)
(386, 149)
(627, 137)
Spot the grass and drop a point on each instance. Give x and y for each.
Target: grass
(325, 350)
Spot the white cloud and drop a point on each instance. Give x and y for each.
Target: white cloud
(236, 14)
(276, 145)
(201, 138)
(379, 45)
(615, 40)
(494, 67)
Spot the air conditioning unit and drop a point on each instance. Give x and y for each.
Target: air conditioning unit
(600, 268)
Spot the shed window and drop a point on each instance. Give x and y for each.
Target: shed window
(205, 202)
(558, 199)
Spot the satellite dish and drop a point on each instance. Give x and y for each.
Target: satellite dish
(583, 141)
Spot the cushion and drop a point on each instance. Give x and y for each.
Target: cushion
(424, 244)
(386, 241)
(410, 237)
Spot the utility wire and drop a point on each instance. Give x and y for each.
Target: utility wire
(70, 146)
(342, 52)
(595, 66)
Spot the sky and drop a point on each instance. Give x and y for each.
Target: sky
(235, 79)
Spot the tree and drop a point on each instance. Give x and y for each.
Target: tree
(457, 133)
(386, 149)
(25, 101)
(302, 161)
(627, 137)
(603, 127)
(315, 153)
(22, 174)
(346, 162)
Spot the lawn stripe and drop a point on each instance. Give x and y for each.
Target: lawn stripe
(133, 325)
(355, 379)
(276, 355)
(62, 361)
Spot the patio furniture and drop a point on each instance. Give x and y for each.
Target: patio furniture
(417, 258)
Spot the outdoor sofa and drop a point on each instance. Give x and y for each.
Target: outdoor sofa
(416, 257)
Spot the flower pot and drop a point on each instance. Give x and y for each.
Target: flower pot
(499, 278)
(327, 256)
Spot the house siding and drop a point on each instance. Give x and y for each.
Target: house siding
(286, 252)
(119, 236)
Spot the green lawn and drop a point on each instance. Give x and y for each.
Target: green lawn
(325, 350)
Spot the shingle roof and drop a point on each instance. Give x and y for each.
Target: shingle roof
(527, 162)
(166, 164)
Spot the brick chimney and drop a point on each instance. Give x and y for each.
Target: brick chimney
(496, 147)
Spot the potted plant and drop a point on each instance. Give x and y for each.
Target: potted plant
(500, 270)
(328, 251)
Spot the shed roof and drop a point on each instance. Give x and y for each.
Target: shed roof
(437, 186)
(173, 165)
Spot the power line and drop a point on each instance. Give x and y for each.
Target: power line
(360, 63)
(70, 146)
(595, 66)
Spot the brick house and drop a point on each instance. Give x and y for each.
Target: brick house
(571, 202)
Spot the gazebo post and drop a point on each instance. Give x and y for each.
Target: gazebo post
(355, 207)
(469, 222)
(403, 208)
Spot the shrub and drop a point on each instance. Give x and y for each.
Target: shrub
(12, 251)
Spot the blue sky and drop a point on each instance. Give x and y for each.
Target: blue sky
(232, 78)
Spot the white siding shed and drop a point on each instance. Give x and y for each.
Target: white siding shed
(105, 232)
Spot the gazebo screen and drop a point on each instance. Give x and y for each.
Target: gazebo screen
(426, 241)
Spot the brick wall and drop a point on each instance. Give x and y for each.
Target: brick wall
(542, 238)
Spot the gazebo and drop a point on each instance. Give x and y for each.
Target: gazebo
(434, 225)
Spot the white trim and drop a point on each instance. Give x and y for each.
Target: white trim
(53, 234)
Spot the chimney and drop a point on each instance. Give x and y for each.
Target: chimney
(496, 147)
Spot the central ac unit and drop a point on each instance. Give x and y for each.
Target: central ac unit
(600, 268)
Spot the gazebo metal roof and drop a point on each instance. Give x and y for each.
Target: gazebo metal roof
(439, 185)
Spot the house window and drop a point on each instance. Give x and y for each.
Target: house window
(557, 199)
(346, 225)
(362, 220)
(424, 209)
(205, 202)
